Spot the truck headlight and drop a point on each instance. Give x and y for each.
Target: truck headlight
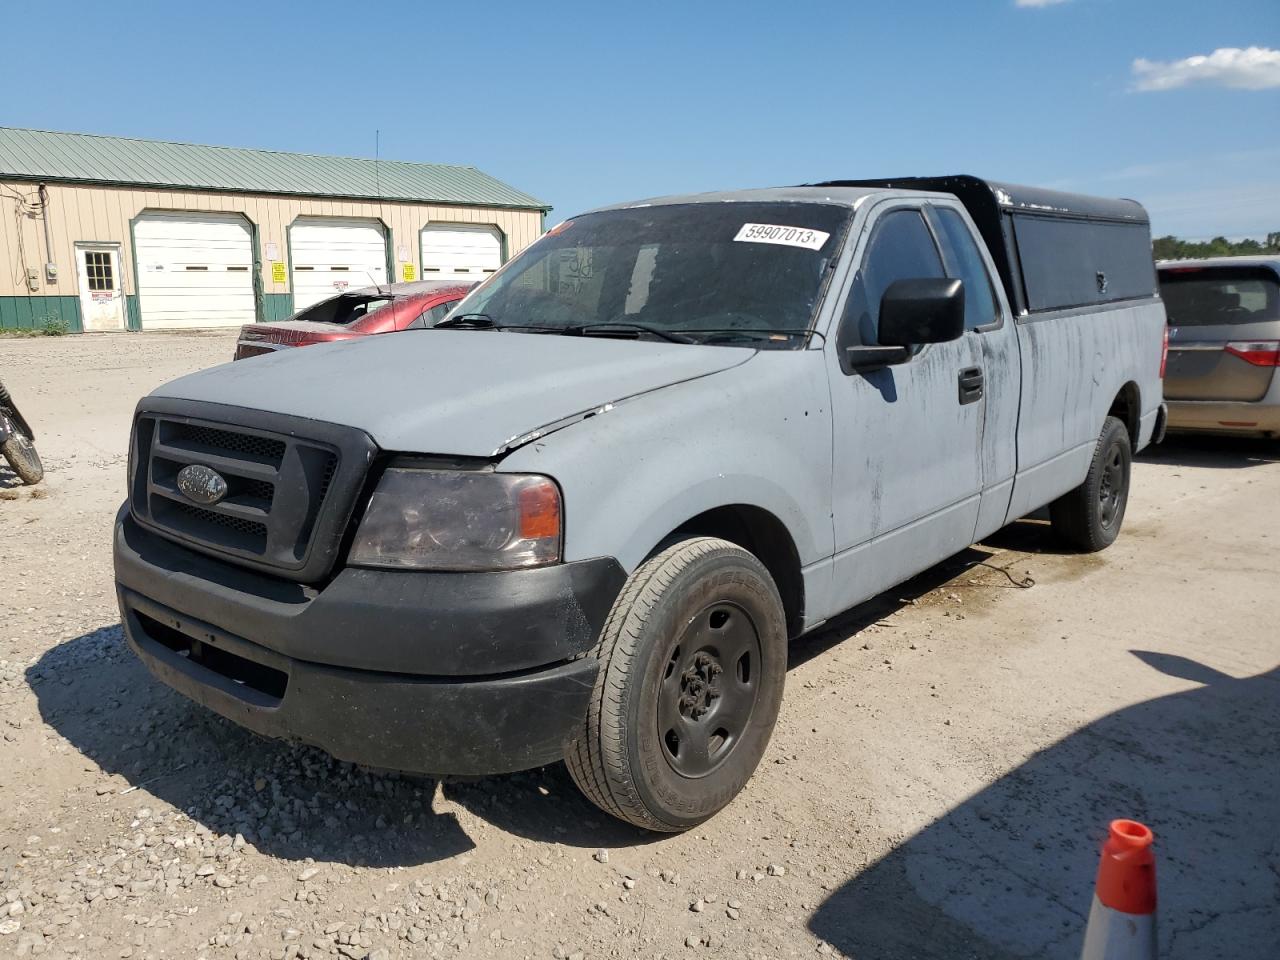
(459, 520)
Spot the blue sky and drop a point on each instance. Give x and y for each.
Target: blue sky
(583, 104)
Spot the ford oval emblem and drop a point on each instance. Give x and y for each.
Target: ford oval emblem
(202, 484)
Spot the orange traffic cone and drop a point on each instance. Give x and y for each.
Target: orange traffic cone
(1122, 920)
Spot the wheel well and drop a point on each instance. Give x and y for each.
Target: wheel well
(762, 534)
(1127, 408)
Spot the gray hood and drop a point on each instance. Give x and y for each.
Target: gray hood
(457, 392)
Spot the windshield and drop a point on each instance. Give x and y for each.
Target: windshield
(704, 271)
(345, 308)
(1207, 296)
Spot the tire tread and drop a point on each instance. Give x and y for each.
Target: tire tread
(597, 757)
(23, 459)
(1073, 514)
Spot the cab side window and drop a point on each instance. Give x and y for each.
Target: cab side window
(964, 261)
(901, 248)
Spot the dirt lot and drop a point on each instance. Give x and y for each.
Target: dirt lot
(945, 764)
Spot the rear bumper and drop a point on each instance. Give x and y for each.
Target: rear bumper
(257, 341)
(1152, 426)
(246, 350)
(432, 673)
(1261, 418)
(1161, 425)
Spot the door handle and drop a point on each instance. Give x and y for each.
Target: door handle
(970, 385)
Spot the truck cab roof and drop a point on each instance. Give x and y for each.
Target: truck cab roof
(838, 195)
(979, 195)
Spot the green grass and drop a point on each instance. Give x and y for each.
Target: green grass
(48, 327)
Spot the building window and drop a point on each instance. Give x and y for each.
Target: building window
(97, 267)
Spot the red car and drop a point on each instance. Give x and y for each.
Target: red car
(356, 313)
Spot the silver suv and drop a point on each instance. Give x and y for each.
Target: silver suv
(1224, 344)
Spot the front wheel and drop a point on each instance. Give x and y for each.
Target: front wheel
(1089, 517)
(692, 663)
(22, 457)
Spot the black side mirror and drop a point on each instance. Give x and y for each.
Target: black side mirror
(912, 312)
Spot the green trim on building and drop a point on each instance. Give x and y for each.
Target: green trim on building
(259, 288)
(132, 313)
(31, 313)
(390, 242)
(288, 262)
(276, 307)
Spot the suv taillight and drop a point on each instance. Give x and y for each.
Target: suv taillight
(1261, 353)
(1164, 353)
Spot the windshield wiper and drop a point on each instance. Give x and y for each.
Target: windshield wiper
(712, 334)
(467, 321)
(613, 328)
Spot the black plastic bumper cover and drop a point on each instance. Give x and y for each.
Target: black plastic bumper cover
(1162, 424)
(440, 673)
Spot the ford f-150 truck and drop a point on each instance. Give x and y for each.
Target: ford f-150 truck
(581, 518)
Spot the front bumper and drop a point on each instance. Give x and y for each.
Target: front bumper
(1260, 418)
(440, 673)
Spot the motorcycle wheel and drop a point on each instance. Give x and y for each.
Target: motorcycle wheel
(22, 457)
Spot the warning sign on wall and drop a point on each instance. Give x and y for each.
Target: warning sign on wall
(277, 271)
(406, 272)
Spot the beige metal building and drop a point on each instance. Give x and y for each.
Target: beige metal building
(104, 233)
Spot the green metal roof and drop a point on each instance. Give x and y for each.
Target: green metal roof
(87, 158)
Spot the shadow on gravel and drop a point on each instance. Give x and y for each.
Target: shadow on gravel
(295, 802)
(544, 805)
(289, 801)
(1029, 535)
(1009, 872)
(1206, 450)
(846, 626)
(1026, 536)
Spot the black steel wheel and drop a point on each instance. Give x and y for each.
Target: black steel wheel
(1112, 486)
(709, 689)
(1090, 516)
(692, 666)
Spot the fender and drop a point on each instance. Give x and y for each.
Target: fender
(756, 434)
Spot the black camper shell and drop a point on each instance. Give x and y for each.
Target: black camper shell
(1053, 250)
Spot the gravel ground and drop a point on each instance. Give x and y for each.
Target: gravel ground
(945, 763)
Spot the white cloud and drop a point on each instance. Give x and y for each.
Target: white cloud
(1037, 3)
(1254, 68)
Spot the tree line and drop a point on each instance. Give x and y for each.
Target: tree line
(1173, 248)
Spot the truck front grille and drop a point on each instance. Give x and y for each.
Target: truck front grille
(287, 492)
(250, 445)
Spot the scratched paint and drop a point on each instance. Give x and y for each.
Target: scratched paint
(875, 475)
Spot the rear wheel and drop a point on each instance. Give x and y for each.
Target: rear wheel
(22, 457)
(692, 664)
(1090, 516)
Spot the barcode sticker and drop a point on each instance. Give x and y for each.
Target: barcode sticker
(785, 236)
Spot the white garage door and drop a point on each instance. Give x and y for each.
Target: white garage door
(194, 270)
(330, 256)
(462, 253)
